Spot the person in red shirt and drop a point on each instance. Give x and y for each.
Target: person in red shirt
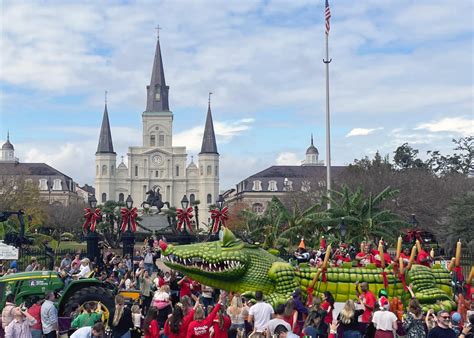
(150, 324)
(221, 324)
(176, 326)
(328, 306)
(341, 255)
(200, 326)
(184, 287)
(405, 255)
(364, 257)
(367, 299)
(35, 312)
(423, 258)
(376, 257)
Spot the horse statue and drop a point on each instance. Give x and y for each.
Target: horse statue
(154, 200)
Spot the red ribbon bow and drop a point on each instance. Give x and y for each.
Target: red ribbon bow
(413, 235)
(126, 215)
(219, 217)
(91, 219)
(184, 217)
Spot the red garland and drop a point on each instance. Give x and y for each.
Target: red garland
(184, 217)
(91, 219)
(309, 302)
(126, 215)
(219, 217)
(401, 276)
(385, 280)
(324, 278)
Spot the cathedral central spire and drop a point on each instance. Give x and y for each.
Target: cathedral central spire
(209, 145)
(105, 138)
(157, 91)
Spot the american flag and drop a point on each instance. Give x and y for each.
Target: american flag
(327, 15)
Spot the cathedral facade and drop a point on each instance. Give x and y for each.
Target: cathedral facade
(156, 163)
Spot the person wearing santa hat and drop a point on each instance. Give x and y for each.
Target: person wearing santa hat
(385, 321)
(321, 253)
(341, 256)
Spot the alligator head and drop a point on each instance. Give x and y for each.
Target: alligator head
(229, 264)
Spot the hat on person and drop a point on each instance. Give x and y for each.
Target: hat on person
(456, 318)
(383, 302)
(302, 246)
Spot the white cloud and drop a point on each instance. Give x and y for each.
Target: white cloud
(458, 125)
(288, 158)
(225, 131)
(362, 131)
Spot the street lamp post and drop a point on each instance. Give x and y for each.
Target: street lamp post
(92, 237)
(128, 237)
(184, 206)
(343, 229)
(413, 221)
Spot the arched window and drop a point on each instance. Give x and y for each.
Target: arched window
(104, 197)
(112, 170)
(177, 170)
(257, 208)
(209, 170)
(201, 170)
(217, 170)
(152, 140)
(104, 170)
(121, 197)
(136, 170)
(161, 140)
(97, 170)
(209, 198)
(192, 198)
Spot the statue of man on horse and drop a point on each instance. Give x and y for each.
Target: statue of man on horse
(154, 199)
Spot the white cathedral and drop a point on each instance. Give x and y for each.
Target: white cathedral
(156, 164)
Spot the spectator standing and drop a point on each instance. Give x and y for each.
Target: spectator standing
(221, 324)
(176, 326)
(260, 313)
(145, 289)
(148, 260)
(185, 287)
(137, 321)
(314, 326)
(150, 325)
(291, 315)
(7, 312)
(278, 320)
(328, 306)
(19, 327)
(121, 320)
(413, 321)
(199, 327)
(207, 296)
(367, 299)
(35, 312)
(237, 314)
(87, 332)
(442, 330)
(385, 321)
(348, 320)
(49, 316)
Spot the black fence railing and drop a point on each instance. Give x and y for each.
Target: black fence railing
(43, 256)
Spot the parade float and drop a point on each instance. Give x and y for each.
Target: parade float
(235, 266)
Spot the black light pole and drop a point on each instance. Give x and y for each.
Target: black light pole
(128, 237)
(184, 206)
(92, 237)
(343, 229)
(413, 221)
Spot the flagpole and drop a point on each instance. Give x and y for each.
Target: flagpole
(328, 120)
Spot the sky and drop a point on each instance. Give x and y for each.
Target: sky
(401, 71)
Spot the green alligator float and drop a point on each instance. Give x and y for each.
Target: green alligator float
(235, 266)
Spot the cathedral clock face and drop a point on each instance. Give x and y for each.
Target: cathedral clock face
(157, 159)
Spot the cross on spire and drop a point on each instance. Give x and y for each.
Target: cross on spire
(158, 28)
(209, 102)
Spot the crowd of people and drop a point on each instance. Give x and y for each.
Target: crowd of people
(174, 306)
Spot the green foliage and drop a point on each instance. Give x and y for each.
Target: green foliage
(460, 221)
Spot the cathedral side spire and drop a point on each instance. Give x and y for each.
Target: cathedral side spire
(209, 145)
(105, 138)
(157, 91)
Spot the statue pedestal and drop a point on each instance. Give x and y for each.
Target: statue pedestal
(154, 223)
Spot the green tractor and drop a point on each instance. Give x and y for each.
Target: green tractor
(25, 285)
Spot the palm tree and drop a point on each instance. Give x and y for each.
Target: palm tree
(365, 217)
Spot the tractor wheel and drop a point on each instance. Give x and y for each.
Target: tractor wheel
(91, 294)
